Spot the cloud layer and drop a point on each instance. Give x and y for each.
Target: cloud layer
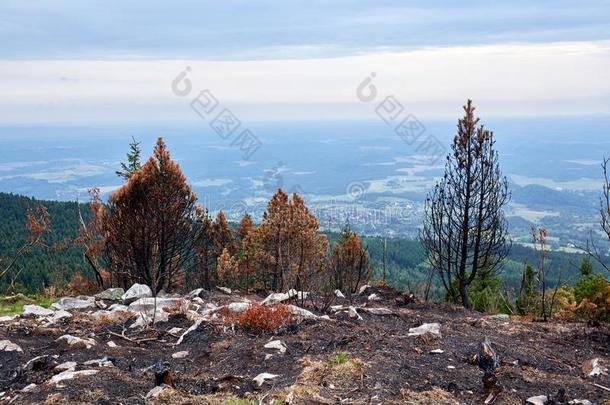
(534, 79)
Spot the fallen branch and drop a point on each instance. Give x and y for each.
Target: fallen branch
(601, 386)
(135, 341)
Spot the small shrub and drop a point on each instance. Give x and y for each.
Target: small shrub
(263, 319)
(590, 286)
(80, 285)
(339, 358)
(592, 296)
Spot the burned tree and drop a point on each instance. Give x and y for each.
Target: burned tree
(464, 230)
(38, 226)
(149, 232)
(91, 236)
(350, 263)
(605, 202)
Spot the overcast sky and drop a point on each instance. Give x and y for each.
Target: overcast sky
(114, 61)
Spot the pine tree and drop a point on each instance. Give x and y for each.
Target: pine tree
(289, 243)
(227, 269)
(223, 236)
(150, 232)
(350, 263)
(246, 253)
(464, 226)
(205, 250)
(133, 161)
(586, 268)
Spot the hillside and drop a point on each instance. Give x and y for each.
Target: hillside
(371, 349)
(47, 266)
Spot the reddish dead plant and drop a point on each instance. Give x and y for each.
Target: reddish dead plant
(80, 285)
(261, 319)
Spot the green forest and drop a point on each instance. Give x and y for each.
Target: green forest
(61, 257)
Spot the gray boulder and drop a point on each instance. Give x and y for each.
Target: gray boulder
(36, 310)
(8, 346)
(68, 303)
(111, 294)
(135, 292)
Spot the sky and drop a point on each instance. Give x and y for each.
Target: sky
(74, 62)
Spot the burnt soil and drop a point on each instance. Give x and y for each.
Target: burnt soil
(536, 359)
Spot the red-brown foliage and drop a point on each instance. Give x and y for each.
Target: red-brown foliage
(262, 319)
(351, 265)
(149, 232)
(80, 285)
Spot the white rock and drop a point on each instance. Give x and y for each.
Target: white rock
(337, 308)
(7, 318)
(374, 297)
(147, 309)
(101, 304)
(110, 343)
(73, 340)
(277, 345)
(189, 330)
(298, 311)
(195, 293)
(155, 392)
(180, 355)
(437, 351)
(262, 377)
(276, 298)
(68, 365)
(68, 375)
(81, 302)
(148, 304)
(174, 331)
(537, 400)
(593, 368)
(61, 314)
(36, 310)
(224, 290)
(8, 346)
(136, 291)
(451, 367)
(28, 388)
(580, 402)
(268, 356)
(339, 294)
(500, 317)
(325, 317)
(351, 311)
(430, 328)
(378, 311)
(111, 294)
(144, 319)
(103, 362)
(30, 361)
(363, 289)
(118, 308)
(237, 307)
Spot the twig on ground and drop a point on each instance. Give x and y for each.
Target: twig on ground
(601, 386)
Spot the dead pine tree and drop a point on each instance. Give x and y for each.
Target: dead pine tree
(150, 232)
(464, 227)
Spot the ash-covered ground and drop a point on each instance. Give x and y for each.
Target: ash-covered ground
(101, 351)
